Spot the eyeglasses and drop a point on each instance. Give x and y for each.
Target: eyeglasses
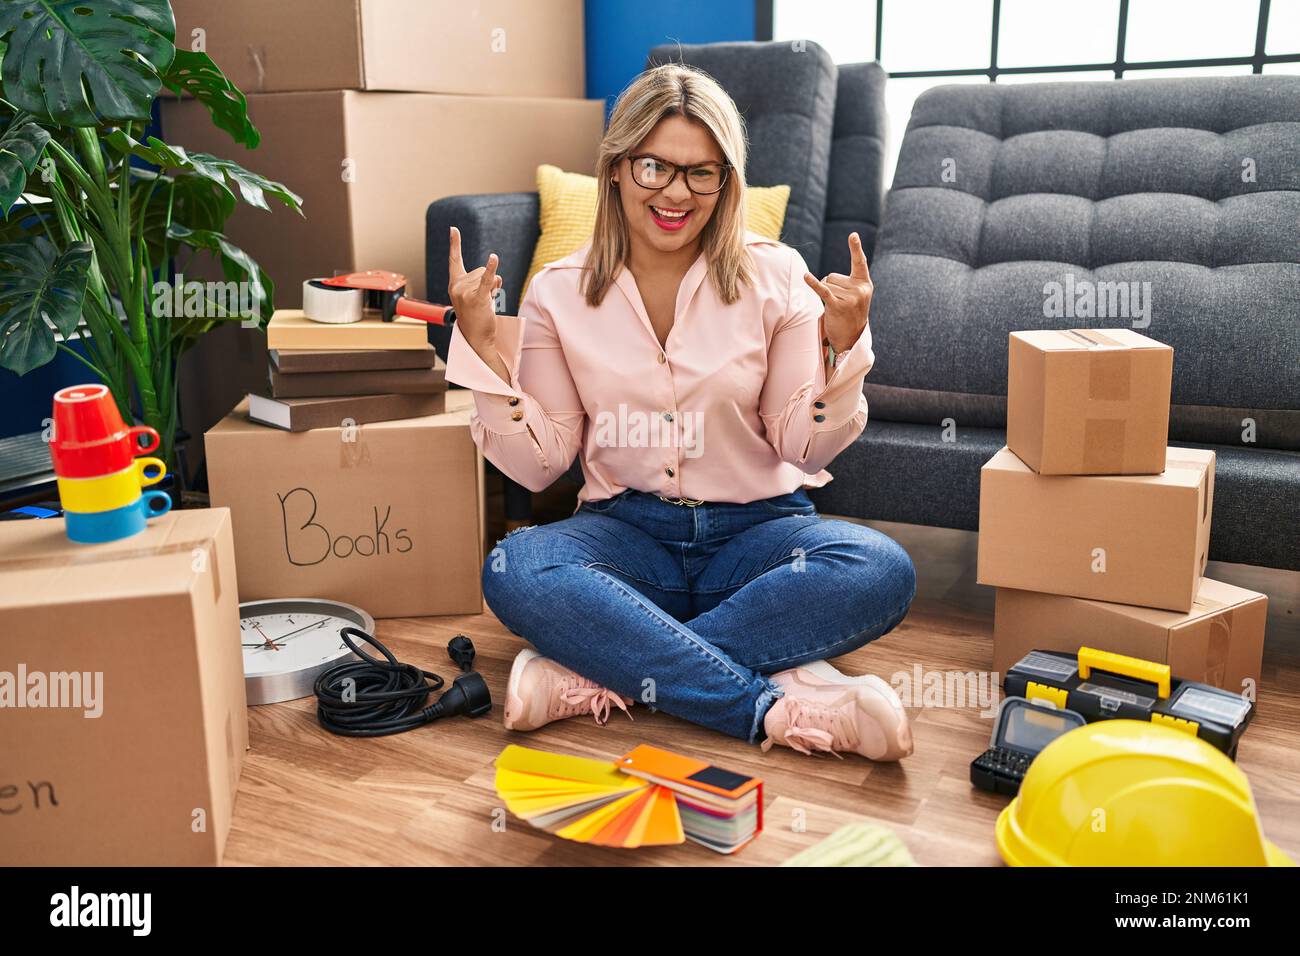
(703, 179)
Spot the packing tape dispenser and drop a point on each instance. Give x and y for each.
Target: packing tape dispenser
(344, 299)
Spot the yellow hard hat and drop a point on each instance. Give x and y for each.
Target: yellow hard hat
(1129, 793)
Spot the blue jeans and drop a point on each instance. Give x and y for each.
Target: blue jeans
(689, 608)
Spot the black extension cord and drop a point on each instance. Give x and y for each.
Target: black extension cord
(373, 697)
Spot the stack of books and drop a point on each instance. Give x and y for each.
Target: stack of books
(367, 371)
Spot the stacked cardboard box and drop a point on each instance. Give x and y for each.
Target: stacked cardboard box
(121, 694)
(371, 110)
(387, 516)
(1096, 532)
(368, 493)
(367, 371)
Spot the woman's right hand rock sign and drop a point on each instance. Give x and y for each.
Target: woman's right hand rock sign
(472, 295)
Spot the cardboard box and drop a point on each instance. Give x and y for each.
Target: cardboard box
(489, 47)
(1220, 641)
(367, 166)
(1089, 401)
(1130, 539)
(387, 516)
(149, 628)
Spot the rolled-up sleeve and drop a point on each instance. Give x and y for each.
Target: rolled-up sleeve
(531, 426)
(810, 416)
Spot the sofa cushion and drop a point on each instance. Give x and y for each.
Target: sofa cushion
(897, 471)
(1174, 202)
(1216, 424)
(1256, 506)
(787, 99)
(855, 197)
(910, 473)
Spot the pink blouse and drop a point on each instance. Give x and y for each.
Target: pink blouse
(737, 406)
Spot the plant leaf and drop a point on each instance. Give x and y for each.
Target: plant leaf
(253, 188)
(195, 73)
(80, 62)
(197, 202)
(35, 284)
(236, 264)
(21, 145)
(27, 222)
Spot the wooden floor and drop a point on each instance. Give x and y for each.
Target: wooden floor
(426, 797)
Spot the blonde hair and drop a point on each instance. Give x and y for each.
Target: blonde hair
(672, 89)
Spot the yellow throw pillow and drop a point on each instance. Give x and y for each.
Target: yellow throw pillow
(568, 214)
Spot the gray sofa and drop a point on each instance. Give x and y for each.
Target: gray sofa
(999, 191)
(1133, 181)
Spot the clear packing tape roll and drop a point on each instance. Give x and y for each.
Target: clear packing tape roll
(332, 305)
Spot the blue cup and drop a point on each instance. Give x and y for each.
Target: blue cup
(100, 527)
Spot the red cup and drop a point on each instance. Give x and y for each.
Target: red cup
(84, 414)
(90, 439)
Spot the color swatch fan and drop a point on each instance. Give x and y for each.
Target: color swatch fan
(649, 797)
(586, 800)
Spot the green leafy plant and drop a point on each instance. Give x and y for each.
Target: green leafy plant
(90, 232)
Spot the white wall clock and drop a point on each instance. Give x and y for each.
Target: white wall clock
(289, 642)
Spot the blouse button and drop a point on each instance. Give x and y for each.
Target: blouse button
(668, 416)
(819, 418)
(662, 358)
(818, 404)
(517, 416)
(514, 401)
(669, 472)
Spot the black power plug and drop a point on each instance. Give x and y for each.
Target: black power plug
(468, 694)
(461, 650)
(373, 697)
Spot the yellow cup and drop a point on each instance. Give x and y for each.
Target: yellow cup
(116, 490)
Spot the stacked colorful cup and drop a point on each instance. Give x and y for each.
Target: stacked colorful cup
(101, 481)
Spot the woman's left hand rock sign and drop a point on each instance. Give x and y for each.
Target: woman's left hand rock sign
(847, 299)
